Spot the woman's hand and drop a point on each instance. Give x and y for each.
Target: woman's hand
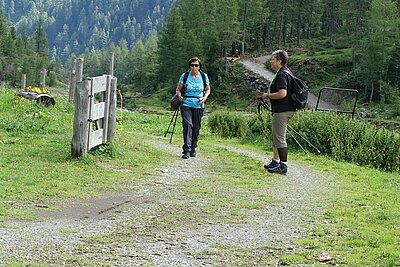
(202, 99)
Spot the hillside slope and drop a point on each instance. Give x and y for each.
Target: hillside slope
(257, 65)
(75, 25)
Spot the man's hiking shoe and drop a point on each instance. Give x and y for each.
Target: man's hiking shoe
(280, 169)
(193, 153)
(272, 164)
(186, 155)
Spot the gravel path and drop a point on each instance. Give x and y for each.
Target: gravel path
(80, 233)
(62, 240)
(257, 65)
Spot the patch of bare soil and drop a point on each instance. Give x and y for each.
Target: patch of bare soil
(143, 235)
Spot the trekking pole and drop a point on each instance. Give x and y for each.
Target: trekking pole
(297, 142)
(170, 123)
(308, 142)
(262, 104)
(173, 128)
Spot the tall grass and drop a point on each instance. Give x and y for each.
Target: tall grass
(334, 135)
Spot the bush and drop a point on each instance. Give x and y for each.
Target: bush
(334, 135)
(345, 139)
(260, 126)
(228, 124)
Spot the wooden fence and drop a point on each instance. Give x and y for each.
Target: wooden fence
(95, 102)
(95, 113)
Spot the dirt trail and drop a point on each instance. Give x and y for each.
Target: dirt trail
(257, 65)
(58, 239)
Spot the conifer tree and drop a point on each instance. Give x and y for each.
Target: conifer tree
(138, 63)
(227, 24)
(171, 46)
(252, 14)
(379, 44)
(41, 42)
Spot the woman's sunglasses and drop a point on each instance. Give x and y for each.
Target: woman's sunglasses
(194, 65)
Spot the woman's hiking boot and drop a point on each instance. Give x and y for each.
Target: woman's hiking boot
(272, 164)
(280, 169)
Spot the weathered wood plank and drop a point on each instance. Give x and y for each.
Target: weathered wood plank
(112, 114)
(97, 111)
(99, 84)
(81, 124)
(95, 138)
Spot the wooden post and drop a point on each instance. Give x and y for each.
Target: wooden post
(81, 123)
(111, 70)
(23, 81)
(42, 78)
(112, 114)
(72, 82)
(79, 69)
(75, 76)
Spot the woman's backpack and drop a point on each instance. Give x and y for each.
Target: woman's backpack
(299, 94)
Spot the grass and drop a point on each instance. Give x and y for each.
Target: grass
(36, 165)
(360, 228)
(362, 222)
(323, 68)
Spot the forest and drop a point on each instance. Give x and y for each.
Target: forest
(73, 26)
(349, 43)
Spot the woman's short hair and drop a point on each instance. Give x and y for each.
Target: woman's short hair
(281, 55)
(193, 59)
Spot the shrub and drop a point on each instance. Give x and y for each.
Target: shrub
(334, 135)
(228, 124)
(260, 126)
(345, 139)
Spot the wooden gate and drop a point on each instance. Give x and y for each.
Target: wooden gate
(95, 113)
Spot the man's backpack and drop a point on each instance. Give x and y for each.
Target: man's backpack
(175, 102)
(299, 94)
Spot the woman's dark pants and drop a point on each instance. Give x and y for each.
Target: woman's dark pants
(191, 122)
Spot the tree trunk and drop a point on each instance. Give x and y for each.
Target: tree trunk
(372, 92)
(298, 26)
(282, 26)
(353, 60)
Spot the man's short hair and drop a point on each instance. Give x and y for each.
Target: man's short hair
(281, 55)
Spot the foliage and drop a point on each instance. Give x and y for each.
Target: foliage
(37, 90)
(363, 33)
(358, 142)
(22, 54)
(228, 124)
(378, 44)
(334, 135)
(73, 26)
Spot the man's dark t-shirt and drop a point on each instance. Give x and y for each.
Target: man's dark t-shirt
(282, 81)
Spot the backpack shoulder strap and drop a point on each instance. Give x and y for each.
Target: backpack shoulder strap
(290, 73)
(185, 77)
(203, 77)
